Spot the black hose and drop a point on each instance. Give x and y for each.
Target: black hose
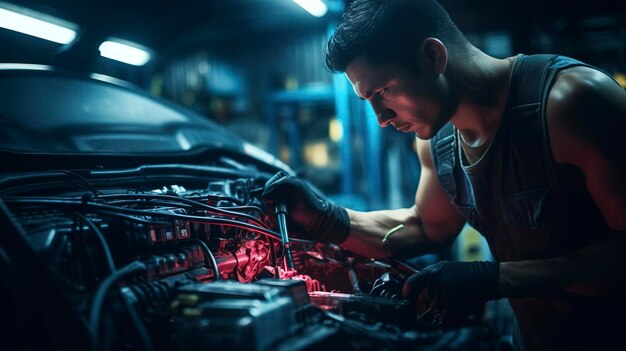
(209, 255)
(132, 269)
(103, 243)
(138, 323)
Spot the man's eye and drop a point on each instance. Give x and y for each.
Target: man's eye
(382, 91)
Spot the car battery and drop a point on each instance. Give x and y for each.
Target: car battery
(230, 316)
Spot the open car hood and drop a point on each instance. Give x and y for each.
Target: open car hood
(49, 115)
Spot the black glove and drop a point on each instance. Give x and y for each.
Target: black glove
(307, 213)
(448, 291)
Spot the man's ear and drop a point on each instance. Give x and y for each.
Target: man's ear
(433, 56)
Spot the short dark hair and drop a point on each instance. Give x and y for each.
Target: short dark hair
(389, 31)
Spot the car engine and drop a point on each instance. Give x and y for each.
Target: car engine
(186, 257)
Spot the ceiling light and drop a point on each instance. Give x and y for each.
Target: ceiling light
(315, 7)
(37, 24)
(124, 51)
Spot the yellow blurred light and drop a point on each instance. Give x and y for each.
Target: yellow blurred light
(335, 130)
(188, 98)
(156, 85)
(284, 154)
(620, 78)
(316, 154)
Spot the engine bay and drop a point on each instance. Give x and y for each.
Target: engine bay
(173, 257)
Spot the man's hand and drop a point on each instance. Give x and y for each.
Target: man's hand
(448, 291)
(307, 213)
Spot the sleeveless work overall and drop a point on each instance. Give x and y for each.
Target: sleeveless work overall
(529, 207)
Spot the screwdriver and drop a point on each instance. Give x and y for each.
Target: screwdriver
(281, 215)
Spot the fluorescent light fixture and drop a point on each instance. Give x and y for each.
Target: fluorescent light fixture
(37, 24)
(124, 51)
(315, 7)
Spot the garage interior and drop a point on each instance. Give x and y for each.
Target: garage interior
(256, 68)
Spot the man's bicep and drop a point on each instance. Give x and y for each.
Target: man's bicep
(608, 189)
(586, 116)
(440, 219)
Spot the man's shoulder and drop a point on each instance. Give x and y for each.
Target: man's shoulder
(582, 103)
(578, 91)
(574, 82)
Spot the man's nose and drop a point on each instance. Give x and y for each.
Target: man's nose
(384, 116)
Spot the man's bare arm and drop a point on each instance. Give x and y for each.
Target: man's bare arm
(595, 270)
(431, 222)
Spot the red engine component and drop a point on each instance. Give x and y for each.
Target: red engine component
(311, 284)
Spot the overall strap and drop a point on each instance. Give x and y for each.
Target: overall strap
(529, 73)
(524, 116)
(442, 151)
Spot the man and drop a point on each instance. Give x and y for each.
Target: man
(529, 150)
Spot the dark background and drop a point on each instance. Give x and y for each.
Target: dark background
(256, 67)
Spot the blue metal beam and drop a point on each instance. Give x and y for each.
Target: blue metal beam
(270, 116)
(342, 109)
(374, 161)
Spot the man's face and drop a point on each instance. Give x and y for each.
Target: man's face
(410, 101)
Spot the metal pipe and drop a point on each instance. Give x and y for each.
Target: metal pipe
(281, 215)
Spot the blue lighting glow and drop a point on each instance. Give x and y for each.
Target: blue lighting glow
(37, 24)
(124, 51)
(315, 7)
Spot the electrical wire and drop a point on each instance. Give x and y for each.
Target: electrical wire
(176, 202)
(103, 243)
(186, 201)
(209, 256)
(364, 329)
(138, 324)
(249, 207)
(131, 218)
(194, 219)
(216, 197)
(149, 203)
(406, 265)
(147, 173)
(273, 258)
(132, 269)
(93, 189)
